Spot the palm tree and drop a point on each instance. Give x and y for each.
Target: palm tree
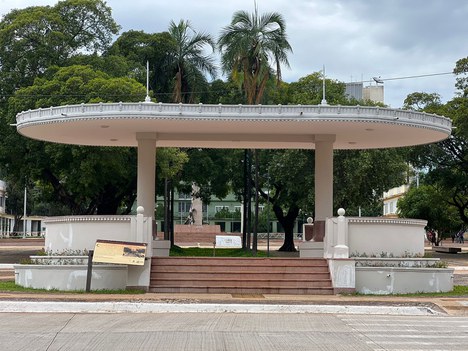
(188, 62)
(248, 45)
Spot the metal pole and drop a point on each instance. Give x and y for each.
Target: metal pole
(268, 217)
(90, 270)
(24, 212)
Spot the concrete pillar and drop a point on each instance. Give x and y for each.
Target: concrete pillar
(146, 189)
(323, 182)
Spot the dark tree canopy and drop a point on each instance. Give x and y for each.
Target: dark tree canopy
(34, 38)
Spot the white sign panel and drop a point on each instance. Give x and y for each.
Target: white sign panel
(228, 241)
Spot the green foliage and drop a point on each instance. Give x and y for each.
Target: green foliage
(361, 176)
(225, 213)
(430, 203)
(461, 71)
(447, 161)
(138, 48)
(34, 38)
(212, 170)
(84, 179)
(309, 90)
(170, 161)
(422, 101)
(248, 44)
(187, 61)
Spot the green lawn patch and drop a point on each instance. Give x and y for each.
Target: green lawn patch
(10, 286)
(208, 252)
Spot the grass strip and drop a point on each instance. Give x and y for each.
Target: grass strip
(10, 286)
(210, 252)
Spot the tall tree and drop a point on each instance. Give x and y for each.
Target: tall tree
(430, 203)
(447, 161)
(188, 61)
(249, 46)
(34, 38)
(86, 180)
(158, 49)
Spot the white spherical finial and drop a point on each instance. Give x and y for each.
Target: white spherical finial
(310, 220)
(140, 210)
(341, 212)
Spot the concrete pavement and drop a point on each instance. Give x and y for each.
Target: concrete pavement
(229, 331)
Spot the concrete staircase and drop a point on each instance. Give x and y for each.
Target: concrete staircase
(225, 275)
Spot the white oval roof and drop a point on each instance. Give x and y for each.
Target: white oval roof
(232, 126)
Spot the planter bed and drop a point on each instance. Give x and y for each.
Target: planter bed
(398, 262)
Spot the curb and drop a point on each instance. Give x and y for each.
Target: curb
(12, 306)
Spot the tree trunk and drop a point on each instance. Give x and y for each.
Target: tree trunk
(166, 210)
(246, 230)
(244, 205)
(288, 225)
(255, 228)
(171, 219)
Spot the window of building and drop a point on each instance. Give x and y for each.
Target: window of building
(183, 196)
(222, 226)
(2, 201)
(236, 227)
(184, 206)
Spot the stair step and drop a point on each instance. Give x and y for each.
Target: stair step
(260, 283)
(243, 290)
(253, 262)
(237, 269)
(239, 275)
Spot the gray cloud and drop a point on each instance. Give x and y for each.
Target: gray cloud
(355, 39)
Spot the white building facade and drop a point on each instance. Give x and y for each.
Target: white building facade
(390, 200)
(30, 226)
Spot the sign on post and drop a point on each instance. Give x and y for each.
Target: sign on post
(119, 252)
(228, 241)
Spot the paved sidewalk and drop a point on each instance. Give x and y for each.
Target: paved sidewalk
(154, 303)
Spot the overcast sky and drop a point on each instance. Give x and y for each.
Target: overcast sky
(355, 39)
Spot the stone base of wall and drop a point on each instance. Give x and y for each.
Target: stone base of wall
(71, 277)
(397, 280)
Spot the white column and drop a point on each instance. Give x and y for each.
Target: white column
(146, 189)
(323, 176)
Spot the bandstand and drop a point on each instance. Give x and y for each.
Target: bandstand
(323, 128)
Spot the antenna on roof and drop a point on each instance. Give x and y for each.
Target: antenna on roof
(147, 98)
(324, 101)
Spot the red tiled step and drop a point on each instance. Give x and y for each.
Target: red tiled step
(240, 275)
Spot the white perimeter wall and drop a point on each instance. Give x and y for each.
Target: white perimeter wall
(396, 237)
(81, 232)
